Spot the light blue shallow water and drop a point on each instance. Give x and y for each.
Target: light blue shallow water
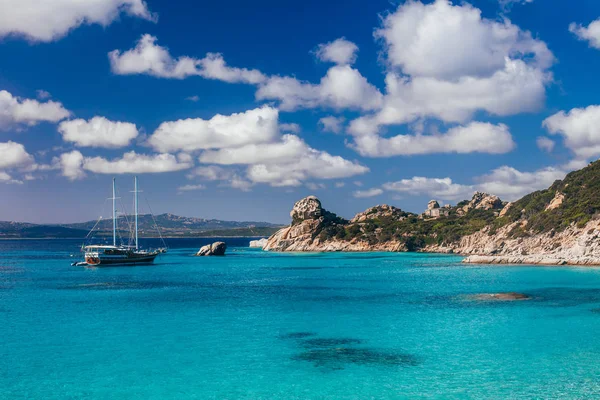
(256, 325)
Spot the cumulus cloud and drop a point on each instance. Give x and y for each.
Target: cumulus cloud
(590, 33)
(46, 21)
(210, 173)
(221, 131)
(290, 128)
(290, 147)
(477, 137)
(447, 62)
(342, 87)
(440, 188)
(448, 42)
(359, 194)
(134, 163)
(332, 124)
(545, 144)
(579, 128)
(151, 59)
(17, 111)
(506, 182)
(74, 164)
(14, 155)
(71, 164)
(340, 51)
(98, 132)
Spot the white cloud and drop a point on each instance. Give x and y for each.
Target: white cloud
(340, 51)
(545, 143)
(14, 155)
(515, 89)
(254, 126)
(74, 164)
(98, 132)
(590, 33)
(511, 184)
(313, 164)
(133, 163)
(290, 128)
(193, 98)
(316, 186)
(188, 188)
(236, 182)
(579, 128)
(448, 42)
(16, 111)
(340, 184)
(441, 188)
(478, 137)
(45, 21)
(151, 59)
(287, 162)
(71, 165)
(332, 124)
(290, 147)
(42, 94)
(342, 87)
(210, 173)
(506, 182)
(359, 194)
(447, 62)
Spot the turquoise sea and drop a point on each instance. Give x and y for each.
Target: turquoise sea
(255, 325)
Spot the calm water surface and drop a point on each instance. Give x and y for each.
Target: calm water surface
(258, 325)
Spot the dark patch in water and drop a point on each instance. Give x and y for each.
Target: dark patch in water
(329, 342)
(336, 358)
(297, 335)
(595, 310)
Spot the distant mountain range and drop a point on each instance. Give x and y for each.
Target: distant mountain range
(170, 226)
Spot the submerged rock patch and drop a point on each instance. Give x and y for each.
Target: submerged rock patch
(297, 335)
(329, 342)
(338, 357)
(509, 296)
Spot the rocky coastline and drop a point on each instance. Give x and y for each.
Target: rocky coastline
(557, 226)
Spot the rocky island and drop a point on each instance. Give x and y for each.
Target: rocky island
(555, 226)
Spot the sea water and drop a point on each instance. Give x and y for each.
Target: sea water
(257, 325)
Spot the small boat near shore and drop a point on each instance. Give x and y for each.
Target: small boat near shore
(100, 255)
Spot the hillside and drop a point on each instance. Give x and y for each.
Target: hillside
(555, 225)
(170, 226)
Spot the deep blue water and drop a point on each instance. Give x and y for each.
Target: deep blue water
(258, 325)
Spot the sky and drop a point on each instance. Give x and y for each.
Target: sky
(235, 110)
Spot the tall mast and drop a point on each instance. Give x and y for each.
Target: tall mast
(136, 211)
(114, 207)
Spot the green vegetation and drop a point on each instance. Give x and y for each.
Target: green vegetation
(581, 203)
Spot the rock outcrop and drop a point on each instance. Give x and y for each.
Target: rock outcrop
(215, 249)
(483, 201)
(311, 224)
(260, 243)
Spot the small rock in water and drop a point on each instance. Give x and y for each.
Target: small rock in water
(509, 296)
(260, 243)
(215, 249)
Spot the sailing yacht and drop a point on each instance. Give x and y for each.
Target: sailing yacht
(115, 255)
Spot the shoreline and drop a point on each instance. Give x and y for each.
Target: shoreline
(535, 259)
(152, 237)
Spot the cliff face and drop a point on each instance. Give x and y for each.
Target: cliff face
(559, 225)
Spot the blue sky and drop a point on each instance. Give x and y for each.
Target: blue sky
(236, 110)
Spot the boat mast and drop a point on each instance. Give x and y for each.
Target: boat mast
(136, 211)
(114, 207)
